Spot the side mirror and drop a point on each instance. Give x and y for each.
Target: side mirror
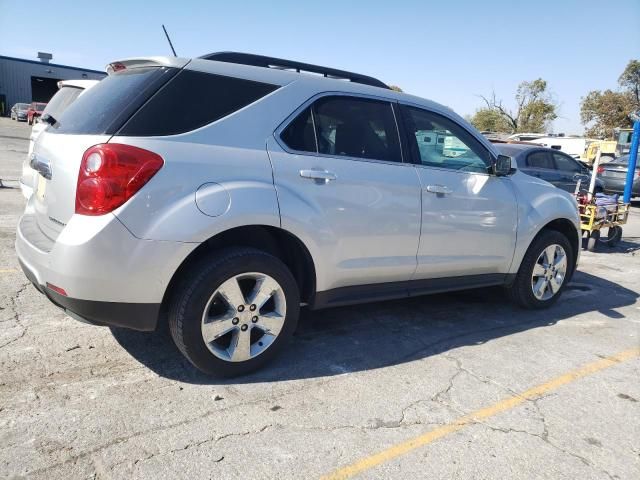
(502, 166)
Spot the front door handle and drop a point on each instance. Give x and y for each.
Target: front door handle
(439, 189)
(324, 175)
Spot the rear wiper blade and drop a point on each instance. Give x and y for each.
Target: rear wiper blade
(49, 119)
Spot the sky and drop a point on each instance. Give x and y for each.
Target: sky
(448, 51)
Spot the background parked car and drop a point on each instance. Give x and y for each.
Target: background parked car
(69, 91)
(19, 112)
(614, 174)
(551, 165)
(34, 111)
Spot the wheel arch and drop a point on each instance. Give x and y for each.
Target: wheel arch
(273, 240)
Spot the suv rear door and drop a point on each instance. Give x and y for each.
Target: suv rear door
(569, 172)
(469, 217)
(539, 163)
(345, 191)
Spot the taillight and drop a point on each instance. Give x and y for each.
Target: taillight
(110, 174)
(600, 170)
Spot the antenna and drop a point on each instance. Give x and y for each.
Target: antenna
(169, 40)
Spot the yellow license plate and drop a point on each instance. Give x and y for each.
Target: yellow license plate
(42, 187)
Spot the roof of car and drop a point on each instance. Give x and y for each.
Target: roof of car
(77, 83)
(512, 148)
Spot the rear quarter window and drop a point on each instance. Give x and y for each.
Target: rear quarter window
(191, 100)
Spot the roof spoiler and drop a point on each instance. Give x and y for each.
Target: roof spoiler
(128, 63)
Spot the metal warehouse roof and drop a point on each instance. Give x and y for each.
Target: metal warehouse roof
(38, 62)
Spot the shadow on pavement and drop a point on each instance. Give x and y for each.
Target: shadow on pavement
(364, 337)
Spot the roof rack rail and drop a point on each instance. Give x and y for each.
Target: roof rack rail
(279, 63)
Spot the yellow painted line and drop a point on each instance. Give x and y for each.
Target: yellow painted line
(8, 270)
(461, 422)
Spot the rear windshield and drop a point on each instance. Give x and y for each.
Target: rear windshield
(61, 101)
(104, 108)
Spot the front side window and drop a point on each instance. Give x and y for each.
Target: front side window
(540, 160)
(566, 164)
(440, 142)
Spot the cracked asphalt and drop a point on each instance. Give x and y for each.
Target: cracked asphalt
(78, 401)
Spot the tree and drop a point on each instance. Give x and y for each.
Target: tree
(487, 119)
(602, 111)
(396, 88)
(535, 109)
(630, 80)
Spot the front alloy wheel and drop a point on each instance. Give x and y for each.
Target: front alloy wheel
(544, 271)
(549, 272)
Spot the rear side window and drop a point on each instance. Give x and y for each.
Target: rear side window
(61, 101)
(299, 134)
(540, 160)
(192, 100)
(356, 127)
(104, 108)
(566, 164)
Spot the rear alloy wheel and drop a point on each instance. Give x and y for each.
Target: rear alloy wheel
(237, 327)
(543, 272)
(234, 310)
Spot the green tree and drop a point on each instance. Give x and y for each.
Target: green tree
(534, 112)
(602, 111)
(630, 80)
(487, 119)
(396, 88)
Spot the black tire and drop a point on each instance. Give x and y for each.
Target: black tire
(30, 121)
(614, 235)
(521, 291)
(592, 240)
(199, 283)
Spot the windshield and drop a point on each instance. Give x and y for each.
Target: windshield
(624, 138)
(40, 107)
(23, 106)
(61, 101)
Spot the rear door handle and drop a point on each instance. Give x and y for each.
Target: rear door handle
(438, 189)
(318, 175)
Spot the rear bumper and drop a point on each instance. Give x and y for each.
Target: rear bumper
(617, 186)
(110, 277)
(135, 316)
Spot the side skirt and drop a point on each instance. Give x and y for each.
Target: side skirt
(388, 291)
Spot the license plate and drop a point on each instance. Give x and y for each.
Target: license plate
(42, 187)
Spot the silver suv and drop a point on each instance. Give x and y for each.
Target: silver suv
(227, 191)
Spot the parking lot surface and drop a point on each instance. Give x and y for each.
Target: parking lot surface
(449, 386)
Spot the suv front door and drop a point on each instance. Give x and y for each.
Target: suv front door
(469, 217)
(344, 190)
